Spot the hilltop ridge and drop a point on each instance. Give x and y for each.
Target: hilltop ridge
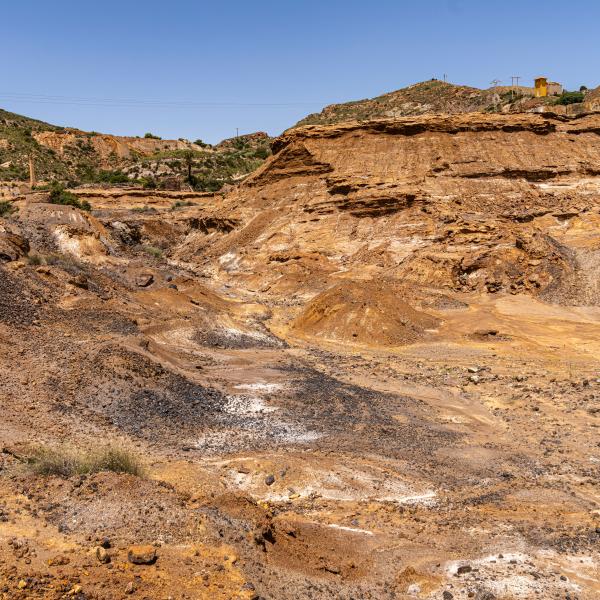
(428, 97)
(81, 157)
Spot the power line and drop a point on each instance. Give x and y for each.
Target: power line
(131, 102)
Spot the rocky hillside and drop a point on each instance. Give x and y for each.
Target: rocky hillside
(433, 97)
(79, 157)
(427, 97)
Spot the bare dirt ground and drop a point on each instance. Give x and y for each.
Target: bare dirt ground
(343, 396)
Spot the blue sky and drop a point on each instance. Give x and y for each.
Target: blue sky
(196, 69)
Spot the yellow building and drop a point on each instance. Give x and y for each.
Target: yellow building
(544, 88)
(541, 87)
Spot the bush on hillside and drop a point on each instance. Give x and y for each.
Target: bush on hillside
(570, 98)
(58, 195)
(151, 136)
(65, 461)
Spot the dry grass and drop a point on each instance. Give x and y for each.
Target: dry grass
(65, 461)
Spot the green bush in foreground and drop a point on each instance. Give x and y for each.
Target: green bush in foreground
(66, 461)
(58, 195)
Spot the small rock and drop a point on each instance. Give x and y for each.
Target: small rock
(130, 588)
(142, 555)
(447, 595)
(473, 369)
(144, 280)
(102, 555)
(105, 543)
(79, 281)
(464, 569)
(270, 479)
(413, 589)
(474, 379)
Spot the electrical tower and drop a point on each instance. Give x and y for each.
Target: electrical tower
(514, 78)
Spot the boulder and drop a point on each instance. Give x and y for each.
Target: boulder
(142, 555)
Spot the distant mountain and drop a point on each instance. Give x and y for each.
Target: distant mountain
(80, 157)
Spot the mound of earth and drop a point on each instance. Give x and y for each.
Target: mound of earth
(366, 312)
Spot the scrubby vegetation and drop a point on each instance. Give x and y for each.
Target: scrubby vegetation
(181, 204)
(58, 195)
(153, 251)
(6, 208)
(65, 461)
(567, 98)
(79, 160)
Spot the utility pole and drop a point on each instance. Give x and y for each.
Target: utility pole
(32, 181)
(237, 132)
(513, 79)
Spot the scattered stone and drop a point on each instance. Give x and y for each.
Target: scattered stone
(447, 595)
(142, 555)
(144, 280)
(484, 595)
(464, 569)
(105, 543)
(270, 479)
(473, 369)
(58, 561)
(79, 281)
(130, 588)
(102, 555)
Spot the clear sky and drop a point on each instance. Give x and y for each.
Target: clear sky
(197, 69)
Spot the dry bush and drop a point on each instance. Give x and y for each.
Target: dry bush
(65, 461)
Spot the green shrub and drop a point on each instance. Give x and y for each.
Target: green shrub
(151, 136)
(570, 98)
(112, 177)
(6, 208)
(58, 195)
(181, 204)
(143, 209)
(66, 461)
(153, 251)
(148, 183)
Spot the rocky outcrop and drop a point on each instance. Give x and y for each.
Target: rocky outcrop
(471, 203)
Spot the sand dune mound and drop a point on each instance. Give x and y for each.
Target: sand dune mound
(364, 312)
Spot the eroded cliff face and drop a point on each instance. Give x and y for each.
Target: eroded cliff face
(471, 203)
